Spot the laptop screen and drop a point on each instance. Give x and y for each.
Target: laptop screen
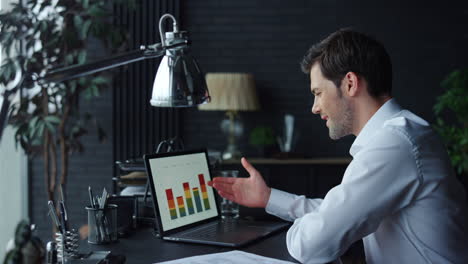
(180, 189)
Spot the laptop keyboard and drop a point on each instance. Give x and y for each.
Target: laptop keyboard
(210, 230)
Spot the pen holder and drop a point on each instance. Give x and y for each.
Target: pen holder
(102, 224)
(67, 245)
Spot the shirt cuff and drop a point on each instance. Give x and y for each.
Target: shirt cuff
(279, 204)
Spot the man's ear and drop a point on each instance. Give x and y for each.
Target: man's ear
(351, 84)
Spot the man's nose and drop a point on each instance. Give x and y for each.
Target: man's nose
(315, 107)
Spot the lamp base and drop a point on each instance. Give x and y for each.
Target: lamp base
(231, 152)
(233, 128)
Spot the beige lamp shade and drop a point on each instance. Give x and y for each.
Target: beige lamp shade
(231, 91)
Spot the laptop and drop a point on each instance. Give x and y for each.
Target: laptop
(185, 206)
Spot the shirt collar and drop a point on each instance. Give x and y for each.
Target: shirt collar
(387, 110)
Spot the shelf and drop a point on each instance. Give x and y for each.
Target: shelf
(312, 161)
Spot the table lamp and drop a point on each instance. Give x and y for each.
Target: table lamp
(231, 92)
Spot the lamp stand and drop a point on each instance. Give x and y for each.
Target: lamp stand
(233, 131)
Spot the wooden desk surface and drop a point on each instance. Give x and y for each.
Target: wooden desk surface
(144, 247)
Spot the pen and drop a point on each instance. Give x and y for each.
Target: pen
(102, 205)
(63, 216)
(91, 199)
(103, 199)
(95, 213)
(63, 208)
(54, 217)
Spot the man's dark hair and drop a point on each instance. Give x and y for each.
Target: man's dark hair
(349, 51)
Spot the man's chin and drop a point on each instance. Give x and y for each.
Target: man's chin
(332, 135)
(335, 136)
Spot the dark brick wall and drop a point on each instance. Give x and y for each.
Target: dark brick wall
(268, 38)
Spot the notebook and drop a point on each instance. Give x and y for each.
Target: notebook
(185, 206)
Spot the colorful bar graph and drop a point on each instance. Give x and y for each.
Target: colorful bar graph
(201, 179)
(171, 204)
(196, 194)
(180, 204)
(188, 198)
(185, 202)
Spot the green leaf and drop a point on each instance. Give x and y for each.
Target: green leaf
(69, 59)
(85, 29)
(52, 119)
(96, 10)
(100, 80)
(72, 85)
(82, 56)
(77, 21)
(43, 26)
(50, 127)
(97, 93)
(34, 121)
(7, 72)
(37, 130)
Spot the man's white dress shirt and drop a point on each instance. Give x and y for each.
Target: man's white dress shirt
(399, 194)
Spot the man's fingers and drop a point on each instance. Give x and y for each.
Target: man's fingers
(225, 180)
(225, 192)
(248, 167)
(227, 196)
(223, 187)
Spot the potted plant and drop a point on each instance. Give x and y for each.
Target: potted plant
(263, 138)
(451, 110)
(37, 36)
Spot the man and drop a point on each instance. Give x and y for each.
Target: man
(399, 193)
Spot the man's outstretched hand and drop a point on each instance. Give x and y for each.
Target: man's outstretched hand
(251, 192)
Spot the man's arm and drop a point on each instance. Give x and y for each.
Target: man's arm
(253, 192)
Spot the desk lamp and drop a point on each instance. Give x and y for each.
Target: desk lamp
(231, 92)
(179, 81)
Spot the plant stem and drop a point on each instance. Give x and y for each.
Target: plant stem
(63, 146)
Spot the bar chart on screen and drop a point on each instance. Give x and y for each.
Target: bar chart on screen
(185, 204)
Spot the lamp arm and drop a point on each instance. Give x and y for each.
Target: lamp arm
(76, 71)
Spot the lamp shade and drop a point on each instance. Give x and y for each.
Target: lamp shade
(179, 81)
(231, 91)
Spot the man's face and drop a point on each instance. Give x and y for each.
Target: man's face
(330, 104)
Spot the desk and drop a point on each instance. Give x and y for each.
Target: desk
(144, 247)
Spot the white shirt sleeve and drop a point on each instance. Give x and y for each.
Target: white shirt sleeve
(378, 182)
(289, 206)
